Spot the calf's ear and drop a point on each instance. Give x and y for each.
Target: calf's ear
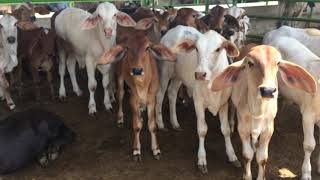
(297, 77)
(230, 76)
(161, 52)
(114, 54)
(125, 20)
(91, 21)
(231, 48)
(145, 23)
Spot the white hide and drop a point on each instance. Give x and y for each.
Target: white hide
(312, 42)
(89, 43)
(294, 51)
(205, 59)
(8, 52)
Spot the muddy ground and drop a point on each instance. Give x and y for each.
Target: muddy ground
(103, 151)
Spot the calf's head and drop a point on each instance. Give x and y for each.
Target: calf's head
(138, 51)
(8, 28)
(107, 16)
(26, 12)
(260, 68)
(189, 17)
(212, 48)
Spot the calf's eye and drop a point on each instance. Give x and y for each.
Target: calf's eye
(250, 64)
(218, 49)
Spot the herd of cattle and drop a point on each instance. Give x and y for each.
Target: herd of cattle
(157, 51)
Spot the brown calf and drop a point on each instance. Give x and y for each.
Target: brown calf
(156, 23)
(138, 68)
(254, 94)
(37, 48)
(189, 17)
(25, 14)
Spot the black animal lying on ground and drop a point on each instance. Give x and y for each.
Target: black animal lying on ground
(31, 135)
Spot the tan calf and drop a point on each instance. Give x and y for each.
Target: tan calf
(254, 94)
(138, 69)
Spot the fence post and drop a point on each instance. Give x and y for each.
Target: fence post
(207, 6)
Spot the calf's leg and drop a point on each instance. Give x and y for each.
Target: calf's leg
(309, 143)
(172, 94)
(7, 95)
(62, 71)
(225, 129)
(137, 126)
(36, 81)
(247, 150)
(202, 129)
(160, 96)
(153, 127)
(120, 94)
(92, 84)
(71, 65)
(104, 69)
(262, 152)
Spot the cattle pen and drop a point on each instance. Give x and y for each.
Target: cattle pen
(105, 145)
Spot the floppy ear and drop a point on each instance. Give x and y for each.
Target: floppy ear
(297, 77)
(230, 76)
(161, 52)
(231, 48)
(116, 53)
(125, 20)
(91, 21)
(145, 23)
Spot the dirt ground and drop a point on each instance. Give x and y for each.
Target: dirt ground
(103, 152)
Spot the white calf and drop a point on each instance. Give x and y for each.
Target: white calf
(200, 57)
(89, 35)
(8, 54)
(254, 94)
(308, 37)
(308, 103)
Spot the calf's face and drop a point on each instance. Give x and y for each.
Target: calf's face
(260, 68)
(8, 28)
(108, 16)
(138, 51)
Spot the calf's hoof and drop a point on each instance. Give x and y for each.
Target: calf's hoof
(236, 163)
(53, 153)
(178, 129)
(164, 129)
(306, 177)
(157, 156)
(63, 98)
(12, 106)
(120, 125)
(43, 160)
(203, 169)
(137, 158)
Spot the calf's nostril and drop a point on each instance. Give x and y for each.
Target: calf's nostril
(137, 71)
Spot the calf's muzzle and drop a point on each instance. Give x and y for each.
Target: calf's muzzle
(11, 39)
(137, 72)
(200, 76)
(267, 92)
